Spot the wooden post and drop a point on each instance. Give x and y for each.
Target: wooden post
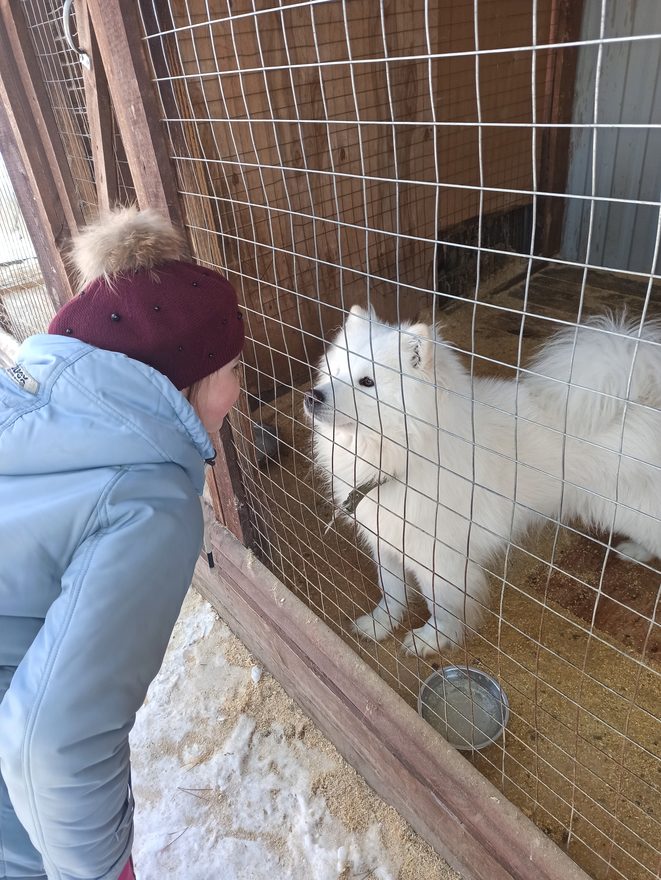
(99, 114)
(118, 31)
(185, 138)
(22, 142)
(565, 26)
(27, 95)
(226, 488)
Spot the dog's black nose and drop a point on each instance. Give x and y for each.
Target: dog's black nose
(312, 397)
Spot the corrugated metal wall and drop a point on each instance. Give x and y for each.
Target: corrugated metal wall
(628, 160)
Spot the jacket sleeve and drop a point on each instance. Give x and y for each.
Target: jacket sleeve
(66, 716)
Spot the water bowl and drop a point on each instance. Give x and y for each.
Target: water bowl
(465, 705)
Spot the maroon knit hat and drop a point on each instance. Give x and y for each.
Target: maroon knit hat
(140, 299)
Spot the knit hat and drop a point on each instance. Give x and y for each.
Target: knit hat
(139, 298)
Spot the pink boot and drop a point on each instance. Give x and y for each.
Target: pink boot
(127, 873)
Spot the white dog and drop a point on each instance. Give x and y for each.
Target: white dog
(442, 473)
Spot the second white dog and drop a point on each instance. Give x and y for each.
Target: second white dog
(441, 472)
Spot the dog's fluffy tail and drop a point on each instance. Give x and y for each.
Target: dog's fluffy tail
(123, 242)
(597, 372)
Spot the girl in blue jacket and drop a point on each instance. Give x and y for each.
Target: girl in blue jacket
(104, 435)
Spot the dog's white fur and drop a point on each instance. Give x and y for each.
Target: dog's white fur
(467, 472)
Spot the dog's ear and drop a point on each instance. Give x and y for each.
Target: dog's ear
(420, 345)
(364, 314)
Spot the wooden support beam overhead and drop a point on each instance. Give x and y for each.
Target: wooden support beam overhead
(99, 114)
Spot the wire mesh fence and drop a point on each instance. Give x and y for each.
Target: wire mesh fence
(443, 164)
(25, 307)
(62, 73)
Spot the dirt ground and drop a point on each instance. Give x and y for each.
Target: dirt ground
(579, 663)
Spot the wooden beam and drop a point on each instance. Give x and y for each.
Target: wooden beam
(31, 175)
(226, 488)
(446, 800)
(45, 223)
(565, 26)
(118, 31)
(99, 114)
(21, 62)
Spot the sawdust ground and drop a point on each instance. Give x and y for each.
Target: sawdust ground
(346, 794)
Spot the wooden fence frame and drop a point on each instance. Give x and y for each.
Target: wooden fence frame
(35, 159)
(446, 800)
(99, 112)
(565, 26)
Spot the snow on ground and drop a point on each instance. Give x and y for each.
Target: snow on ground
(233, 781)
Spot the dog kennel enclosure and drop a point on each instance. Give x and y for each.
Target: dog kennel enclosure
(488, 165)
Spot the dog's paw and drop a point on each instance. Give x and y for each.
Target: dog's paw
(632, 550)
(428, 640)
(424, 641)
(376, 626)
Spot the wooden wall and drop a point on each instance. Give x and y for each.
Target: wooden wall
(306, 183)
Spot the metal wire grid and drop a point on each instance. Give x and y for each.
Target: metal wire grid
(25, 306)
(284, 115)
(62, 74)
(61, 71)
(126, 194)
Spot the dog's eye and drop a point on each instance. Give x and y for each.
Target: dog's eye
(366, 382)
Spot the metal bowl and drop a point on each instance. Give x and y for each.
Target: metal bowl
(465, 705)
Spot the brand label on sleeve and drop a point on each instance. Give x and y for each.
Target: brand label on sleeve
(20, 376)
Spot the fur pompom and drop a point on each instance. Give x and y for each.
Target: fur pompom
(123, 242)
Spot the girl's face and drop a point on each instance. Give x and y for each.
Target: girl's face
(215, 395)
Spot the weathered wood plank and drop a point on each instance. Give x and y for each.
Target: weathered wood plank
(118, 32)
(565, 26)
(446, 800)
(99, 114)
(20, 64)
(31, 174)
(224, 481)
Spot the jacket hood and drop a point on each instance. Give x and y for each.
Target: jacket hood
(67, 406)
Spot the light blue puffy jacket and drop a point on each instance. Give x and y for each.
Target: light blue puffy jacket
(101, 466)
